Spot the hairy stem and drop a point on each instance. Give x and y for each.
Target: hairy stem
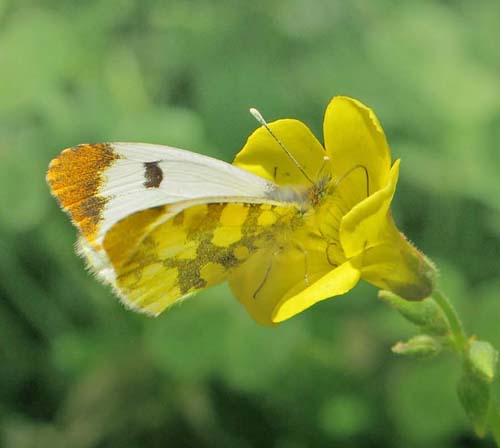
(461, 344)
(457, 330)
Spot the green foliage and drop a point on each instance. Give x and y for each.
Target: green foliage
(78, 370)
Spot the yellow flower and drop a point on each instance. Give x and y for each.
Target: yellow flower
(347, 233)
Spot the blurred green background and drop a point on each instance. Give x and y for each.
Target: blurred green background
(78, 370)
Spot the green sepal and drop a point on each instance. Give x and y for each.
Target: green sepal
(479, 371)
(425, 313)
(420, 346)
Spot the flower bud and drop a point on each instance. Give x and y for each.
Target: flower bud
(483, 358)
(426, 313)
(421, 346)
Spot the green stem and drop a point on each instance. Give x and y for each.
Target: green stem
(461, 343)
(457, 330)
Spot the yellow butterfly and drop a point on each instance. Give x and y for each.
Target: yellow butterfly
(290, 223)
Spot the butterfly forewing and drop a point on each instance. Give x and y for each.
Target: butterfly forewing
(100, 184)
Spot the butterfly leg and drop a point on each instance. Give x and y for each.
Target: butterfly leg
(270, 266)
(266, 274)
(306, 266)
(328, 255)
(354, 168)
(264, 279)
(332, 248)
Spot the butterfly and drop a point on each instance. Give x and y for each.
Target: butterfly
(289, 223)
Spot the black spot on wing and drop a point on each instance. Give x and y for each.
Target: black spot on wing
(153, 175)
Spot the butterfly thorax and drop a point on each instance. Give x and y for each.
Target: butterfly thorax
(318, 191)
(318, 221)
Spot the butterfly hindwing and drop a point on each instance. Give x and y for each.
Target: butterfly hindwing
(158, 262)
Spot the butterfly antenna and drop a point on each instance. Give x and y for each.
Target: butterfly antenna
(258, 116)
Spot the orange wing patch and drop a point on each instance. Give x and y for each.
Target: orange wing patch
(158, 263)
(75, 178)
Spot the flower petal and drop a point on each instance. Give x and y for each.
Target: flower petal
(262, 154)
(398, 266)
(338, 281)
(270, 276)
(361, 227)
(354, 137)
